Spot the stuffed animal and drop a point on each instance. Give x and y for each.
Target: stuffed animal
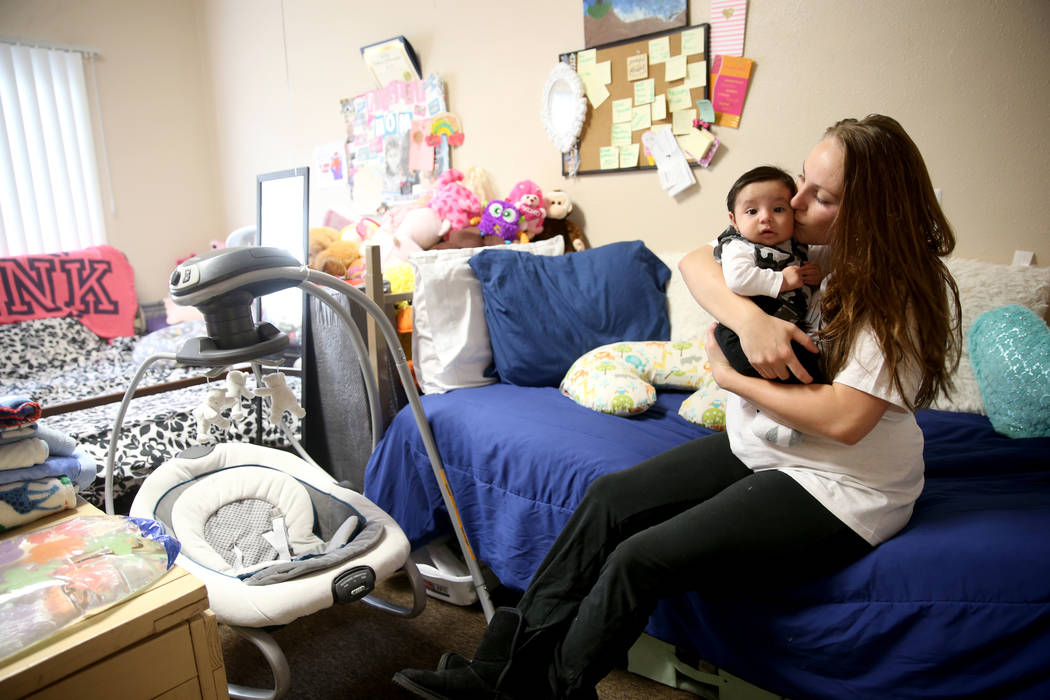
(559, 206)
(282, 400)
(420, 229)
(341, 259)
(454, 203)
(477, 181)
(320, 237)
(235, 391)
(209, 413)
(500, 218)
(528, 198)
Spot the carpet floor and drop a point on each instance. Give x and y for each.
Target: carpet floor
(352, 651)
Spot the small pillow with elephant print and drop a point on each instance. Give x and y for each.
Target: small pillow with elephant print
(622, 379)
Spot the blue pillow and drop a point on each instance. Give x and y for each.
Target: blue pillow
(544, 312)
(1010, 351)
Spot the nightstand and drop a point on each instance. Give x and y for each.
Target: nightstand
(163, 642)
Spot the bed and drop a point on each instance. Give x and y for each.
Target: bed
(77, 364)
(957, 605)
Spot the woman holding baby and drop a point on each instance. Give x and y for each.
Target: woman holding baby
(734, 510)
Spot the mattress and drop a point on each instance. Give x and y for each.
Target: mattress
(57, 360)
(957, 604)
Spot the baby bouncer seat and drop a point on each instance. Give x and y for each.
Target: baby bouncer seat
(271, 534)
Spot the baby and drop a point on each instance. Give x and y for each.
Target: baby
(760, 260)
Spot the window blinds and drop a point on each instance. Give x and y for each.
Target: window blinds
(50, 197)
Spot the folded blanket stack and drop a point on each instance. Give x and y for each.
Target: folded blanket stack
(41, 469)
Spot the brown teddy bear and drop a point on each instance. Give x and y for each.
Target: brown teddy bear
(330, 253)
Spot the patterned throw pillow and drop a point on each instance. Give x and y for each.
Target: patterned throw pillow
(622, 378)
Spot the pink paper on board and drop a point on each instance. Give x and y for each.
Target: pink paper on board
(731, 75)
(420, 153)
(728, 19)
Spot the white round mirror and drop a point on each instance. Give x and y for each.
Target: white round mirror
(564, 107)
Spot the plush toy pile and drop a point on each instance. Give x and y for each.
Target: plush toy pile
(461, 210)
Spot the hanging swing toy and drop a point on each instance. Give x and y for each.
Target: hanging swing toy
(272, 535)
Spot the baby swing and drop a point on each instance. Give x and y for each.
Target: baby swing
(272, 535)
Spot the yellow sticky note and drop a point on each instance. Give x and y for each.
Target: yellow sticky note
(585, 60)
(629, 156)
(640, 118)
(621, 134)
(659, 107)
(693, 41)
(596, 92)
(675, 68)
(659, 50)
(678, 98)
(682, 121)
(637, 66)
(602, 72)
(697, 75)
(643, 92)
(695, 143)
(621, 110)
(608, 157)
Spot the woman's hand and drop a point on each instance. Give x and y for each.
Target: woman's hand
(835, 411)
(766, 341)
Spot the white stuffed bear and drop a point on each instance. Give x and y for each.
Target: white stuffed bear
(282, 399)
(209, 413)
(235, 391)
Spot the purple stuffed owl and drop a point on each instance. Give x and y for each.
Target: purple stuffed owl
(500, 218)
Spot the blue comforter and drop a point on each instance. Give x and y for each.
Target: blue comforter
(958, 604)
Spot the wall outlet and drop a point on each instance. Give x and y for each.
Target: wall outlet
(937, 194)
(1024, 258)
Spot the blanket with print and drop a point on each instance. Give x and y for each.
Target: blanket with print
(95, 285)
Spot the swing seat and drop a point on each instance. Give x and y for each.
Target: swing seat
(272, 537)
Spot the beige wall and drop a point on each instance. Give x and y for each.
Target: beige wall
(157, 117)
(200, 96)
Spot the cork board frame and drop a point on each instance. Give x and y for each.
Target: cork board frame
(598, 123)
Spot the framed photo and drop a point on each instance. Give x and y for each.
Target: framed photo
(608, 21)
(391, 60)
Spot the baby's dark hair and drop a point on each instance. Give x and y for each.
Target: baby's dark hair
(763, 173)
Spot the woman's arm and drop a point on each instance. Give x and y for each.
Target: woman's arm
(834, 411)
(764, 339)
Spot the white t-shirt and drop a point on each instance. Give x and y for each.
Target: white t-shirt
(871, 486)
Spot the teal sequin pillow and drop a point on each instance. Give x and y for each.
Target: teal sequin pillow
(1010, 350)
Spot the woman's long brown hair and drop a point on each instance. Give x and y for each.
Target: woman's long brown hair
(886, 245)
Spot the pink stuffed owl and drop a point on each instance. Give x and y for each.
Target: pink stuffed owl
(500, 218)
(528, 199)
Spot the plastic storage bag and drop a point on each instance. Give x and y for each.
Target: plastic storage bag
(54, 576)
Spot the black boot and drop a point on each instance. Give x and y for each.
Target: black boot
(450, 660)
(481, 678)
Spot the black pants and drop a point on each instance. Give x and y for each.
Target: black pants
(692, 518)
(729, 342)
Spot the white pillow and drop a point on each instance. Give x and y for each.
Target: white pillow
(688, 318)
(984, 286)
(450, 339)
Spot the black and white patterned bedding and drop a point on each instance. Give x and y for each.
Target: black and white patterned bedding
(56, 360)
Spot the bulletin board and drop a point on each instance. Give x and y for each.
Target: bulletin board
(598, 129)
